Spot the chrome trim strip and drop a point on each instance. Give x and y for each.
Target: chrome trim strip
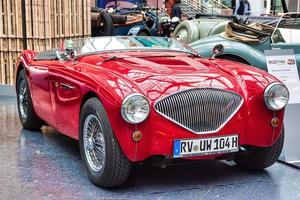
(181, 117)
(67, 86)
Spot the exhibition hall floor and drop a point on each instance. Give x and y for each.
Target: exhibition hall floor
(47, 165)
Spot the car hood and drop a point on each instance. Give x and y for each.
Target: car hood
(160, 75)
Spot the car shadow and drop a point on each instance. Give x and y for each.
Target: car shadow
(49, 156)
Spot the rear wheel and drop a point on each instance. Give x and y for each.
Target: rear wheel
(261, 158)
(103, 159)
(28, 118)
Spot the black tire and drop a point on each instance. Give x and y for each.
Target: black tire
(28, 118)
(115, 166)
(107, 28)
(261, 158)
(234, 58)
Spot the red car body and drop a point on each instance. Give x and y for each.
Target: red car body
(59, 89)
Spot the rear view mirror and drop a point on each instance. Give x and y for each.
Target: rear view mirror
(217, 50)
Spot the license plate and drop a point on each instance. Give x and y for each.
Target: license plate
(205, 146)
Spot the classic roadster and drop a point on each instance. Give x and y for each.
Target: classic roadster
(132, 99)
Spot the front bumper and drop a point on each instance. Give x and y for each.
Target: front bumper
(252, 123)
(158, 134)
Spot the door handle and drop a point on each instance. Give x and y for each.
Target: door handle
(67, 86)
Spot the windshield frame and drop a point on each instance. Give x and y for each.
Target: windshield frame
(279, 21)
(189, 50)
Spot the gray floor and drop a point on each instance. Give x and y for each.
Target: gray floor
(46, 165)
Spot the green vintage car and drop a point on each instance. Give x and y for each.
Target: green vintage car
(205, 25)
(201, 27)
(248, 45)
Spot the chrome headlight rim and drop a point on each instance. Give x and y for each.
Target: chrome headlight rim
(123, 108)
(266, 95)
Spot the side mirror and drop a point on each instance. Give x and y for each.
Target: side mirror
(217, 50)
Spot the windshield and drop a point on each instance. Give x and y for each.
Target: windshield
(125, 43)
(288, 29)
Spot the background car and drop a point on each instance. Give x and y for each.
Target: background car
(142, 20)
(134, 99)
(283, 36)
(202, 26)
(205, 25)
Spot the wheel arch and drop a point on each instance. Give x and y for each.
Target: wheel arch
(20, 66)
(87, 96)
(235, 56)
(250, 53)
(24, 61)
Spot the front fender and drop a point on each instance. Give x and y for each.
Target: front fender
(249, 53)
(24, 60)
(110, 89)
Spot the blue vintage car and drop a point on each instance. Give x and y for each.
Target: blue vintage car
(142, 21)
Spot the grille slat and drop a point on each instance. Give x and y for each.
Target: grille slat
(202, 110)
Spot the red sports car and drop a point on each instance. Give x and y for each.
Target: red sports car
(130, 99)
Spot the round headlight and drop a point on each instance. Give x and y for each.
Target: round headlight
(276, 96)
(135, 108)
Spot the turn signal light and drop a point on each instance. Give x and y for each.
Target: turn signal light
(137, 136)
(275, 122)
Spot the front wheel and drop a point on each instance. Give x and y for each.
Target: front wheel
(261, 158)
(28, 118)
(102, 157)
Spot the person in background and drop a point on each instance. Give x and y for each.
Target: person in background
(233, 2)
(173, 8)
(176, 10)
(242, 7)
(168, 7)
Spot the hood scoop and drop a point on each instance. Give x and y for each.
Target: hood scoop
(167, 65)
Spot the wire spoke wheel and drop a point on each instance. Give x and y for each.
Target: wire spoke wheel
(23, 99)
(101, 154)
(28, 118)
(94, 143)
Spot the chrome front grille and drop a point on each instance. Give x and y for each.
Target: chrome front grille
(203, 110)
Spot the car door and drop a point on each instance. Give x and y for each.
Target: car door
(40, 90)
(66, 96)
